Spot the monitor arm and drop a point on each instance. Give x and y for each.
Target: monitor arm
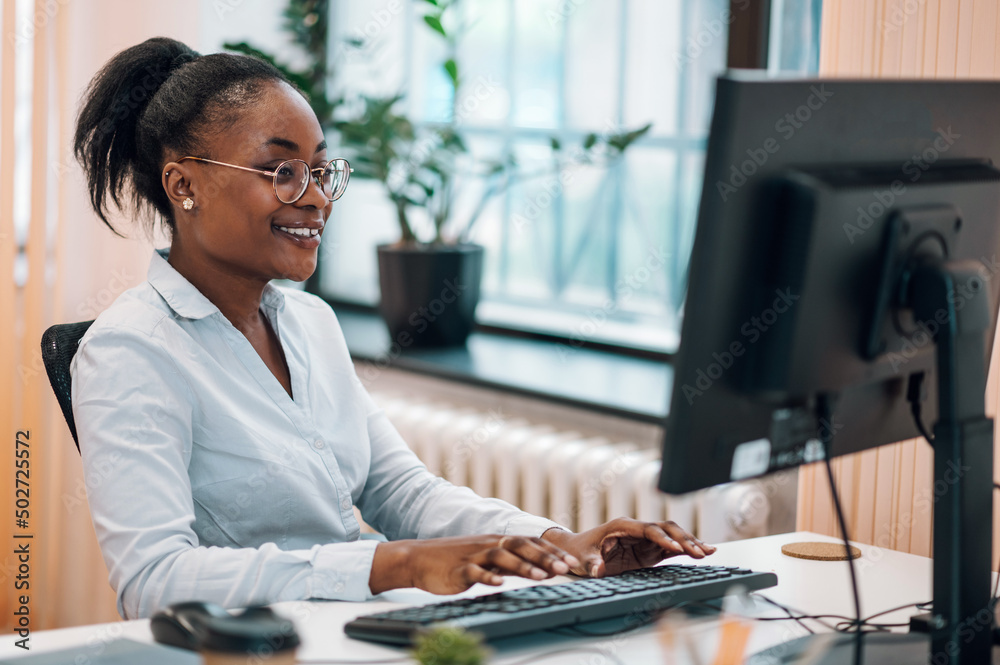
(950, 301)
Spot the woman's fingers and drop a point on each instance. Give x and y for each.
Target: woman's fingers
(472, 573)
(533, 558)
(671, 542)
(451, 565)
(594, 565)
(667, 537)
(557, 552)
(507, 562)
(543, 554)
(691, 545)
(563, 555)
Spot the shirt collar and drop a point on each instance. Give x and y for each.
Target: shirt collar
(185, 299)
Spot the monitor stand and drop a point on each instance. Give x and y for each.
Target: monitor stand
(953, 298)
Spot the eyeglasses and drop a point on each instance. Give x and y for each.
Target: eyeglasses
(291, 177)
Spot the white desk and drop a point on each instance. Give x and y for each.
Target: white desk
(886, 579)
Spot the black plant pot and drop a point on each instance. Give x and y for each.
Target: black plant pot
(429, 292)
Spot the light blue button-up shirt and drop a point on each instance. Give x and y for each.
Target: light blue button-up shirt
(206, 481)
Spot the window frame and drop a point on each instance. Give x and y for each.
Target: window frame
(747, 45)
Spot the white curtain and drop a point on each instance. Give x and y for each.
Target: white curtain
(70, 268)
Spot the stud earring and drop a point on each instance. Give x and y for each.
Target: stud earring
(188, 203)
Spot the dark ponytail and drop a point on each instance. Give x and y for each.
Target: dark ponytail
(155, 96)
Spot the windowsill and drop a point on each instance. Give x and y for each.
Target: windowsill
(603, 381)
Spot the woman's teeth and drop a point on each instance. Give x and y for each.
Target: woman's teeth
(306, 233)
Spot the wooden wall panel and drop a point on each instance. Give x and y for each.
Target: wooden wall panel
(888, 493)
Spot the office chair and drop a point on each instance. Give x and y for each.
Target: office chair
(58, 348)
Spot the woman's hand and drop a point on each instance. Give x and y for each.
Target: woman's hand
(626, 544)
(451, 565)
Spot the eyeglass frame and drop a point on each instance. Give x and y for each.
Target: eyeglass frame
(274, 174)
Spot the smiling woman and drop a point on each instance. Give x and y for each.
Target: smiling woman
(226, 439)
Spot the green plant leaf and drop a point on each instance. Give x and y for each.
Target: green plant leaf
(623, 140)
(432, 2)
(451, 67)
(429, 189)
(453, 140)
(589, 141)
(556, 146)
(634, 135)
(494, 167)
(435, 23)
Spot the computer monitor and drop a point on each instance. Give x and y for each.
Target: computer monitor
(847, 236)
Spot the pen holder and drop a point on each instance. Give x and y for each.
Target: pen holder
(719, 640)
(256, 636)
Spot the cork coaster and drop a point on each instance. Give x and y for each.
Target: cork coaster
(819, 551)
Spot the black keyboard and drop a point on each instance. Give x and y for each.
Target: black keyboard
(637, 592)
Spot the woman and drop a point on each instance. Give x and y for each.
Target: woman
(225, 436)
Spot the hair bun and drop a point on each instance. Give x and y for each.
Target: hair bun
(163, 56)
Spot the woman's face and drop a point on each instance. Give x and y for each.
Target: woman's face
(236, 220)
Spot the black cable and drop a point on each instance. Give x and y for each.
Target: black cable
(798, 616)
(847, 626)
(797, 619)
(851, 623)
(919, 606)
(915, 409)
(824, 411)
(915, 396)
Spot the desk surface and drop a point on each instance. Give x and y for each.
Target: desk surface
(886, 579)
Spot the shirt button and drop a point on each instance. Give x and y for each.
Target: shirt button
(318, 444)
(345, 503)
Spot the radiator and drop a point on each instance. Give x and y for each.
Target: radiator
(576, 480)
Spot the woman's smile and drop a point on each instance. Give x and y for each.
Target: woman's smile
(307, 237)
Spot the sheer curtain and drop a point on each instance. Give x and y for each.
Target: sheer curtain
(68, 267)
(887, 493)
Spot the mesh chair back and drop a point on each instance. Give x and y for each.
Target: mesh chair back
(58, 348)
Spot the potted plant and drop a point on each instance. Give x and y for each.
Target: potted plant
(430, 278)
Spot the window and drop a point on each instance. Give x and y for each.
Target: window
(590, 253)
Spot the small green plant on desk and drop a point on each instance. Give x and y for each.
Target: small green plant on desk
(450, 646)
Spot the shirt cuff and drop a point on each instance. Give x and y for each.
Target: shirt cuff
(341, 571)
(531, 526)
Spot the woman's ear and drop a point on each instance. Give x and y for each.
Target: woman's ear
(177, 184)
